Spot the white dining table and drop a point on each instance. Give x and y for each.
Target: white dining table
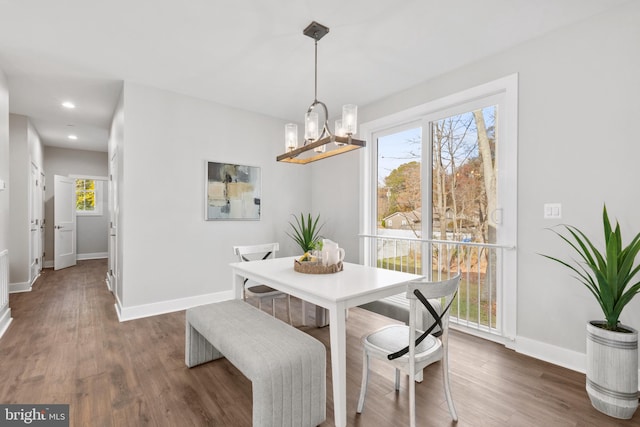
(355, 285)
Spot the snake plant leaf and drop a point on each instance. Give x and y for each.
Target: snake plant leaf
(305, 231)
(607, 275)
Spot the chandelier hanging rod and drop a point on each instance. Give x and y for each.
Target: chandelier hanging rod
(316, 32)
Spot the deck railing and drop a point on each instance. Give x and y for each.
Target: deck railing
(477, 305)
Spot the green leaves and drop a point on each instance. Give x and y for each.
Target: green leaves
(305, 233)
(608, 275)
(85, 194)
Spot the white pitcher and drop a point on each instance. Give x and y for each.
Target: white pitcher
(331, 253)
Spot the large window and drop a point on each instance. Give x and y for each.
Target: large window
(462, 179)
(440, 198)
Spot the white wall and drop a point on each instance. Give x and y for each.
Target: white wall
(18, 199)
(169, 251)
(578, 145)
(4, 162)
(91, 231)
(25, 148)
(335, 189)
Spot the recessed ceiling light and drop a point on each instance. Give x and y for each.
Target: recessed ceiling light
(68, 104)
(74, 137)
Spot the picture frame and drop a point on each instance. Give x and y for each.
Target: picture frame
(232, 192)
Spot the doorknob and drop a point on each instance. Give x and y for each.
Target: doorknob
(58, 227)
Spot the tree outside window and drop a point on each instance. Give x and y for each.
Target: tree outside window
(86, 200)
(463, 177)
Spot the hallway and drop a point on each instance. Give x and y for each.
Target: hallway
(66, 345)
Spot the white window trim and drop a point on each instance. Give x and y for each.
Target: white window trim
(98, 211)
(505, 88)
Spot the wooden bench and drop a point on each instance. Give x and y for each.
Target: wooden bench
(287, 367)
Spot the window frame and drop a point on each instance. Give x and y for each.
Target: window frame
(502, 92)
(99, 195)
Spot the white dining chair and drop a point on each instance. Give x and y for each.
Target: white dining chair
(257, 290)
(410, 350)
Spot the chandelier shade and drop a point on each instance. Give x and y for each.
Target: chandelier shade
(316, 134)
(291, 136)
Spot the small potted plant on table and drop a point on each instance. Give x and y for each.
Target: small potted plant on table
(306, 233)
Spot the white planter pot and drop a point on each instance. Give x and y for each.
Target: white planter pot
(612, 370)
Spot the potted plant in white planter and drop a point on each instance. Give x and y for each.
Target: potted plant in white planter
(612, 348)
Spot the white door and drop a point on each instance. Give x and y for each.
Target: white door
(64, 217)
(41, 204)
(112, 274)
(34, 225)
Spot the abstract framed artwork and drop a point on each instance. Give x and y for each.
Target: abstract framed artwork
(232, 192)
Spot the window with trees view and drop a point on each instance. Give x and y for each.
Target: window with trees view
(463, 182)
(441, 198)
(88, 197)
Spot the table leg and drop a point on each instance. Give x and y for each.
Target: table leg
(304, 313)
(321, 317)
(238, 285)
(337, 330)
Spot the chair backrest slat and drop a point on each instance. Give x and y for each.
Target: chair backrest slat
(256, 252)
(422, 290)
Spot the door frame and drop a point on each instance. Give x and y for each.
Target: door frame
(505, 88)
(36, 200)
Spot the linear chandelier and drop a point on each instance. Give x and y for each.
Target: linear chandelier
(314, 139)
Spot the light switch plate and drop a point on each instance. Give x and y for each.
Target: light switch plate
(552, 211)
(2, 185)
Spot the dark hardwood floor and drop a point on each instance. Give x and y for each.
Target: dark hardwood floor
(65, 345)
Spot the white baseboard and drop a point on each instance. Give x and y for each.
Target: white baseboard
(95, 255)
(118, 306)
(80, 257)
(569, 359)
(15, 288)
(162, 307)
(33, 281)
(5, 319)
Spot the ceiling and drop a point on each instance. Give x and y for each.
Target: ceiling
(248, 54)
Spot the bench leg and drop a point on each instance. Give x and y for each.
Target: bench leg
(197, 349)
